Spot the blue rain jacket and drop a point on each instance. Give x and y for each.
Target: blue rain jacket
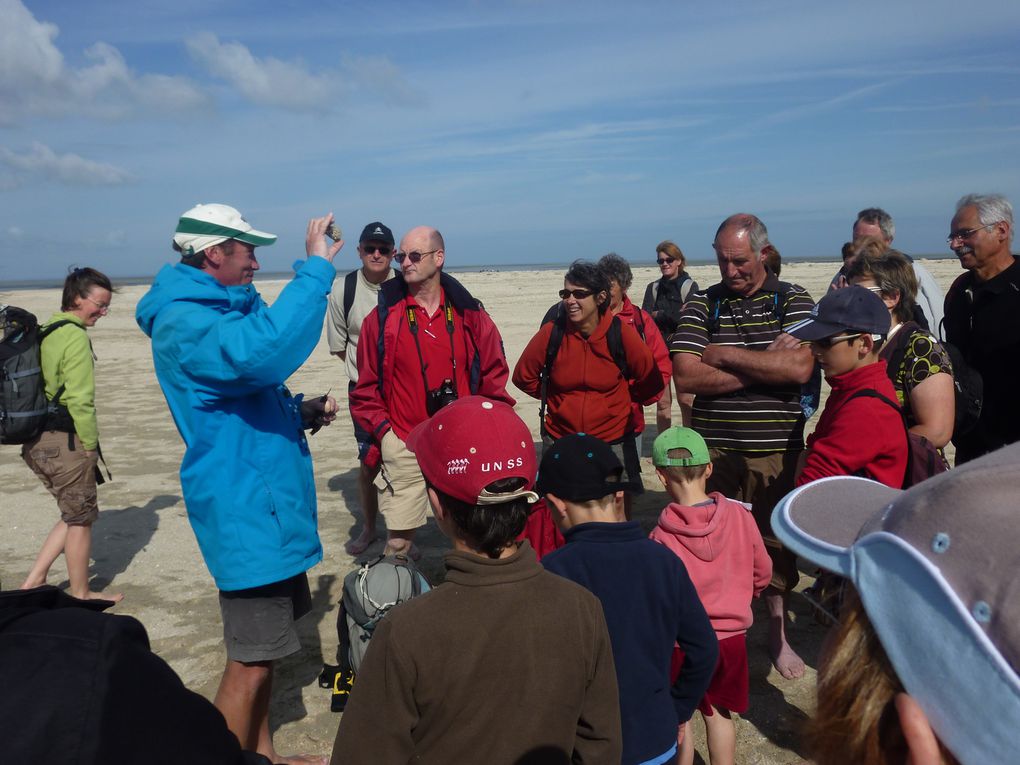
(221, 357)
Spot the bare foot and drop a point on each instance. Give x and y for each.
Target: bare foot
(786, 661)
(116, 597)
(361, 543)
(31, 584)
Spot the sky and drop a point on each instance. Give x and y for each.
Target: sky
(526, 131)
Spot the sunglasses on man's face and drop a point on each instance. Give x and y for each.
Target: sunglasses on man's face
(664, 261)
(414, 257)
(576, 294)
(384, 249)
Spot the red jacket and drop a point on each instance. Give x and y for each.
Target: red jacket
(724, 553)
(587, 392)
(486, 373)
(864, 437)
(653, 339)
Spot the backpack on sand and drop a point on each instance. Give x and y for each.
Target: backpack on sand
(24, 409)
(368, 595)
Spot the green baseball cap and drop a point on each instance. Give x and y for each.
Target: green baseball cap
(680, 438)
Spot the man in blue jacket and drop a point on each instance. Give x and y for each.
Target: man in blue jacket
(221, 356)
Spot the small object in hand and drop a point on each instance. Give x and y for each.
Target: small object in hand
(323, 398)
(333, 232)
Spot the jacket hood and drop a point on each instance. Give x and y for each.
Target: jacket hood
(702, 530)
(181, 282)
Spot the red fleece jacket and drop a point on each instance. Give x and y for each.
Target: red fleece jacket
(864, 437)
(628, 315)
(587, 392)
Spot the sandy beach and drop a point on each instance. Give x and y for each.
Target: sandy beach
(144, 546)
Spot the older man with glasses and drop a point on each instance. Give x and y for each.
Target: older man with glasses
(427, 343)
(352, 299)
(983, 318)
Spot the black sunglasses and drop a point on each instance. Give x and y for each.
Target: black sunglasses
(385, 249)
(663, 261)
(414, 257)
(577, 294)
(825, 343)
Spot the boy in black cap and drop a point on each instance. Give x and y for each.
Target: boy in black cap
(647, 596)
(858, 433)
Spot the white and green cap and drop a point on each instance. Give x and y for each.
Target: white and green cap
(206, 225)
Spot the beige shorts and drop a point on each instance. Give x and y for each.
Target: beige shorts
(403, 500)
(68, 474)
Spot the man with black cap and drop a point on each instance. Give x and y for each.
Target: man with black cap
(503, 663)
(648, 598)
(858, 433)
(221, 357)
(352, 299)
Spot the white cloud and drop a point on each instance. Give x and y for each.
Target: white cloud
(41, 162)
(273, 82)
(35, 79)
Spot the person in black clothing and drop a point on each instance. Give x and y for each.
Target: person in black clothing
(982, 318)
(82, 686)
(664, 300)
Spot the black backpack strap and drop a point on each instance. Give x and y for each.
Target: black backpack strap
(46, 331)
(898, 348)
(553, 348)
(350, 286)
(614, 339)
(713, 304)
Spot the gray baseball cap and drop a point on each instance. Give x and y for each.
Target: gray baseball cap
(938, 572)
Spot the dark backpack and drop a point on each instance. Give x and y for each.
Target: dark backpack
(811, 391)
(923, 459)
(24, 409)
(614, 339)
(350, 285)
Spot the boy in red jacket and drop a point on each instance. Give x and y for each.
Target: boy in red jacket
(858, 433)
(719, 543)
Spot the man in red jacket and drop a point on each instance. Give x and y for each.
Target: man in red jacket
(427, 343)
(858, 433)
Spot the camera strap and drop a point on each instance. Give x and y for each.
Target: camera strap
(412, 324)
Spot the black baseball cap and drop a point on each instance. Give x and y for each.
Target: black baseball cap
(580, 467)
(853, 309)
(376, 232)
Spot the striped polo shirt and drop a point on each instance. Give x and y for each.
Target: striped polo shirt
(759, 418)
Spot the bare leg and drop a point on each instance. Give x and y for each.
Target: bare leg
(51, 549)
(785, 659)
(722, 737)
(76, 555)
(370, 509)
(686, 402)
(664, 410)
(243, 700)
(686, 744)
(401, 543)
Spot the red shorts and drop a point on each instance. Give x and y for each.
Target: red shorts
(730, 686)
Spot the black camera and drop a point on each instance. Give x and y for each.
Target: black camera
(439, 397)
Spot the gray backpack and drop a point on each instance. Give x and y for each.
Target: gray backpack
(369, 594)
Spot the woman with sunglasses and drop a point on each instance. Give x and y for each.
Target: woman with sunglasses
(586, 390)
(65, 455)
(664, 300)
(917, 364)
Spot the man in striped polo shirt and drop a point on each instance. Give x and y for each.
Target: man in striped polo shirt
(731, 351)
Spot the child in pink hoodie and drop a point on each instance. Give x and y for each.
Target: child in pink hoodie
(720, 545)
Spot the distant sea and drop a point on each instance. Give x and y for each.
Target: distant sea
(269, 276)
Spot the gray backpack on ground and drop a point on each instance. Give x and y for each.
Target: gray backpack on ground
(369, 594)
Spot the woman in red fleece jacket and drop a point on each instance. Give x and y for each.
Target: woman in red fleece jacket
(587, 392)
(856, 434)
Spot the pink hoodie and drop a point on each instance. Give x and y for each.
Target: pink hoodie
(723, 551)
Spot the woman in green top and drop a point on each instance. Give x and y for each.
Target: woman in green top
(65, 454)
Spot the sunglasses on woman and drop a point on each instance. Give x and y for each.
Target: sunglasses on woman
(576, 294)
(664, 261)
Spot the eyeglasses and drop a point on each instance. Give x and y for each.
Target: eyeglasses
(966, 233)
(414, 257)
(576, 294)
(825, 343)
(104, 307)
(368, 249)
(664, 261)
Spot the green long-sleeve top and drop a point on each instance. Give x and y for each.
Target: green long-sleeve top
(66, 356)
